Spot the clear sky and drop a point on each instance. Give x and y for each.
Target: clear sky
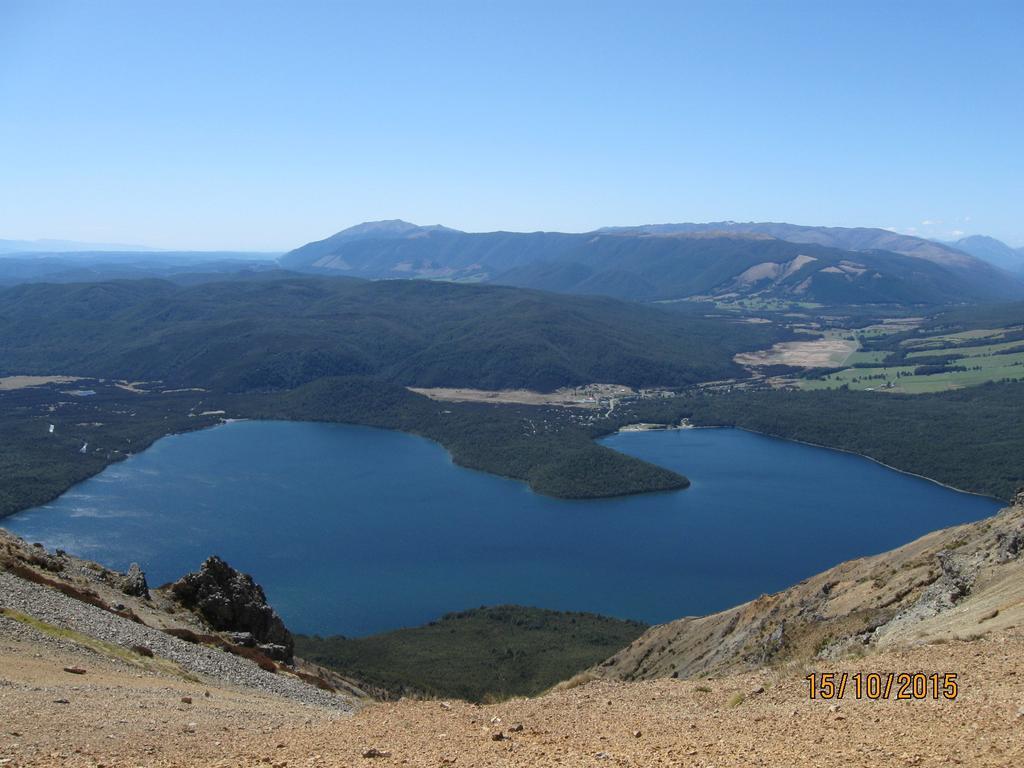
(263, 125)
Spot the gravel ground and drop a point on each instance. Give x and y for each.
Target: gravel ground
(112, 716)
(59, 610)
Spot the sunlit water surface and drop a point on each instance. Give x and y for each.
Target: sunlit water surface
(353, 530)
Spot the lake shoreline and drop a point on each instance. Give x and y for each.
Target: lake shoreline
(668, 427)
(634, 428)
(441, 539)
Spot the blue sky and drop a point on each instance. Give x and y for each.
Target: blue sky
(264, 125)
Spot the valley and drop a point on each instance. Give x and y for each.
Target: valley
(450, 443)
(677, 423)
(479, 484)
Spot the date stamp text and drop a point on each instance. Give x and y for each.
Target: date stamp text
(906, 686)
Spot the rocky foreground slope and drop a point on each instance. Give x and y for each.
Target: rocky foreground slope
(76, 688)
(212, 626)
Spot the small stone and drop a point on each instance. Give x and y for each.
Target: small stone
(499, 736)
(61, 701)
(756, 691)
(374, 752)
(602, 755)
(516, 727)
(190, 728)
(637, 734)
(445, 705)
(186, 699)
(833, 708)
(495, 720)
(75, 670)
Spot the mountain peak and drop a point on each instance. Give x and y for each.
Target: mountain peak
(381, 227)
(387, 228)
(993, 251)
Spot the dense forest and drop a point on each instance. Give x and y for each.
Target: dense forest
(543, 446)
(37, 465)
(480, 654)
(972, 439)
(282, 332)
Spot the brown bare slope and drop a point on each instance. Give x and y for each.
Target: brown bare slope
(955, 583)
(115, 717)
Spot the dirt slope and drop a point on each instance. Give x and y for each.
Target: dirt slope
(115, 717)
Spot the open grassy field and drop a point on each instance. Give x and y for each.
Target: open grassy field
(963, 338)
(972, 351)
(983, 363)
(861, 356)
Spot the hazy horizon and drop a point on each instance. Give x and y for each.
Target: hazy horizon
(271, 253)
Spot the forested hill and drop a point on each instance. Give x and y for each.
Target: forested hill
(805, 264)
(283, 332)
(665, 267)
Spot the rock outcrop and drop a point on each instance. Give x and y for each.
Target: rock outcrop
(135, 582)
(230, 601)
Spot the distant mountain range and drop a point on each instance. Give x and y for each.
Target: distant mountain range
(993, 251)
(722, 260)
(719, 260)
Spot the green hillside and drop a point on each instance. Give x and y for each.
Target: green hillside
(663, 267)
(480, 654)
(279, 333)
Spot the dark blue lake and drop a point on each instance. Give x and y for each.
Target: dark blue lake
(354, 530)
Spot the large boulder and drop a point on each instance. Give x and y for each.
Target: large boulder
(230, 601)
(134, 583)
